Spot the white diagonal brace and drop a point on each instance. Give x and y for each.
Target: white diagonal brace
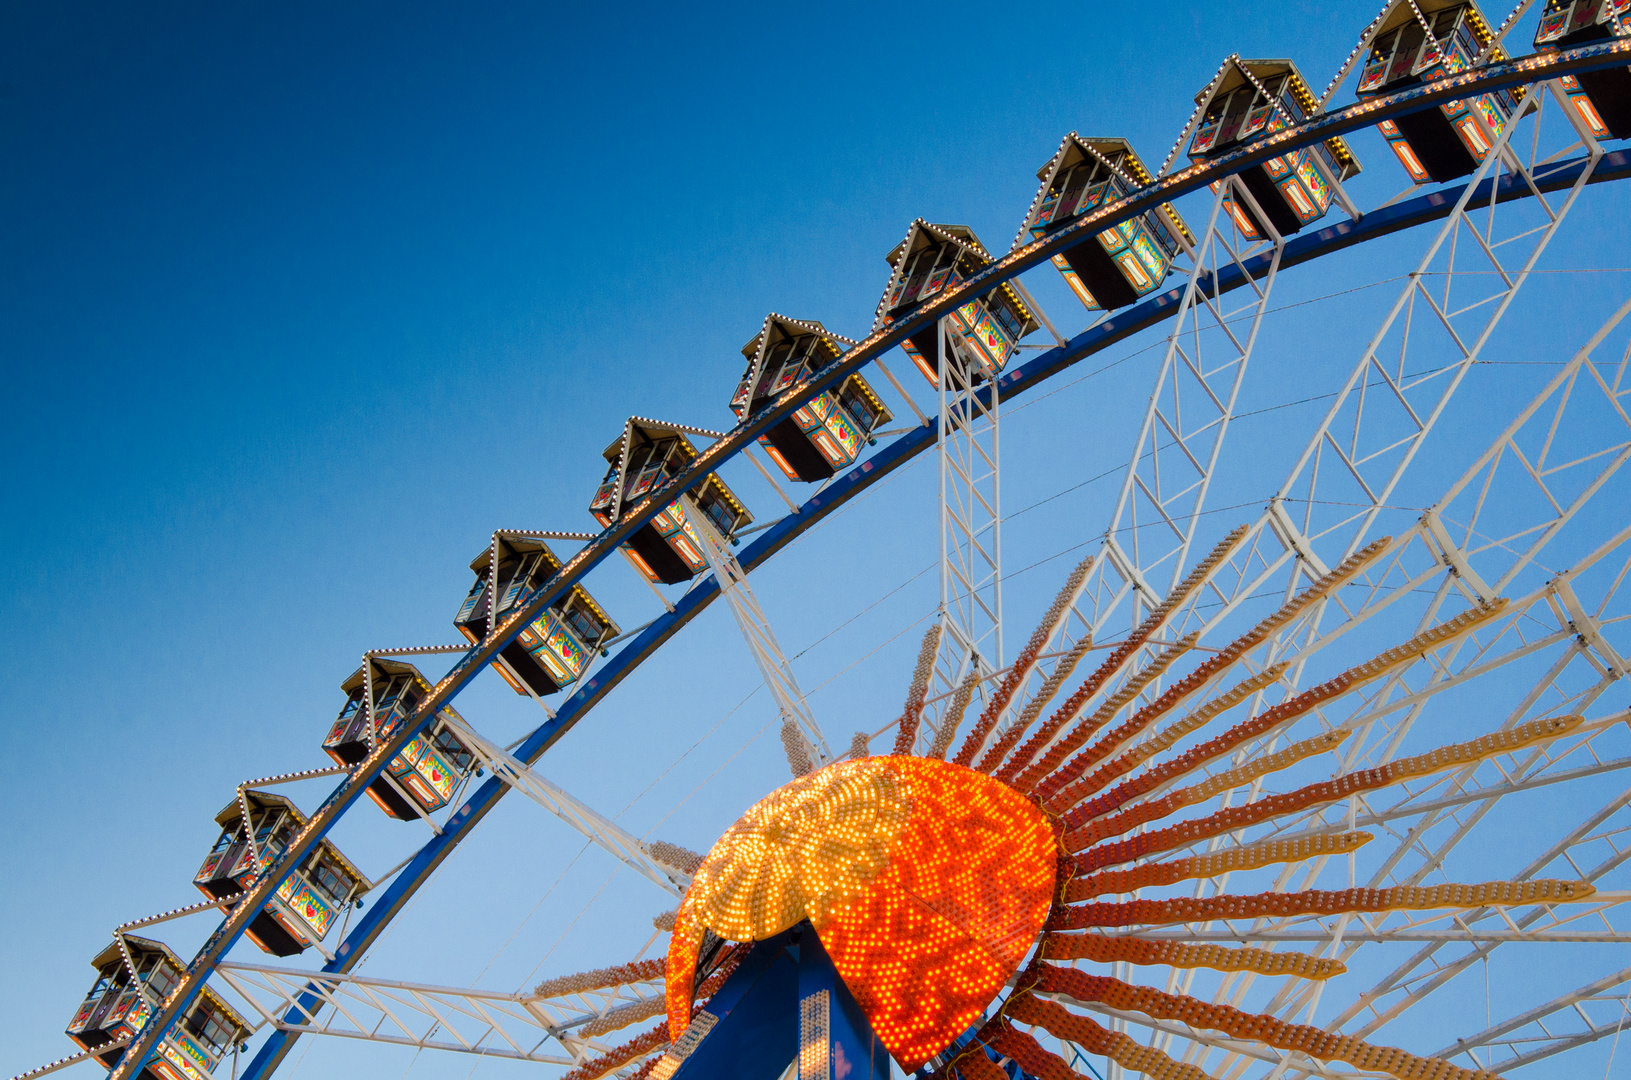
(488, 1023)
(798, 722)
(1186, 419)
(1557, 1044)
(639, 855)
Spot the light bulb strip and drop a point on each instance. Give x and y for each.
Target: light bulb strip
(1117, 659)
(1251, 857)
(600, 978)
(1077, 737)
(1286, 711)
(1139, 722)
(1110, 949)
(912, 715)
(1232, 818)
(1320, 902)
(625, 1015)
(953, 716)
(1093, 1038)
(1062, 801)
(1062, 669)
(1313, 1041)
(1025, 664)
(1125, 822)
(645, 1043)
(1349, 568)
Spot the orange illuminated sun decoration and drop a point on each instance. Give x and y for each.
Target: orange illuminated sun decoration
(927, 883)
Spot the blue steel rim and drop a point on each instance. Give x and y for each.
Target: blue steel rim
(1527, 70)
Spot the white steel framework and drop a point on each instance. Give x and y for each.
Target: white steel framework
(968, 531)
(1562, 450)
(665, 865)
(1146, 546)
(806, 746)
(547, 1028)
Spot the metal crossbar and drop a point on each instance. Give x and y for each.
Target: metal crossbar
(644, 859)
(549, 1029)
(806, 746)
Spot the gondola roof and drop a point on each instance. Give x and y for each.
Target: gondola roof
(528, 545)
(231, 812)
(111, 954)
(1074, 148)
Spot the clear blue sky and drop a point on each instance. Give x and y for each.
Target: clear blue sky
(298, 302)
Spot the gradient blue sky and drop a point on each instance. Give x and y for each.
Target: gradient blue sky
(298, 302)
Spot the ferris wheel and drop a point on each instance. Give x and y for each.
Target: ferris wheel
(1329, 783)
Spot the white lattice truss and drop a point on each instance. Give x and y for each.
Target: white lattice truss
(806, 745)
(655, 862)
(968, 456)
(550, 1029)
(1175, 455)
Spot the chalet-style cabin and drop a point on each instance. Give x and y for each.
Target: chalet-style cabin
(1602, 98)
(1247, 100)
(1421, 40)
(555, 648)
(428, 770)
(666, 548)
(308, 901)
(986, 331)
(828, 433)
(1114, 267)
(121, 1001)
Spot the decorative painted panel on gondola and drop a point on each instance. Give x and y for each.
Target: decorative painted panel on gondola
(1601, 98)
(828, 433)
(1114, 267)
(1416, 41)
(121, 1000)
(932, 259)
(666, 548)
(554, 649)
(428, 768)
(307, 901)
(1246, 101)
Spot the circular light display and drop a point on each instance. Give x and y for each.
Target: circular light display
(927, 882)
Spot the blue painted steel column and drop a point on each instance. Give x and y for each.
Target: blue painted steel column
(755, 1017)
(786, 999)
(848, 1049)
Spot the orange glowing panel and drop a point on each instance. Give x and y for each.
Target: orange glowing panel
(927, 881)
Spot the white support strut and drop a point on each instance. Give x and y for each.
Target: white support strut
(969, 530)
(645, 859)
(556, 1029)
(800, 732)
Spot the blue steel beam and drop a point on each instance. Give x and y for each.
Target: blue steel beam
(1527, 70)
(756, 1015)
(853, 1049)
(757, 1026)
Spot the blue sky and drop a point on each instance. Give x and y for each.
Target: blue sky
(299, 302)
